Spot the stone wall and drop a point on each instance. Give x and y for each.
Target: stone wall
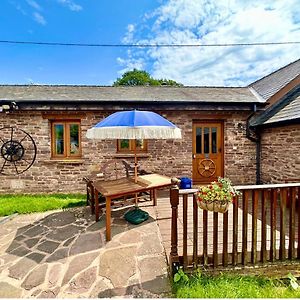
(169, 157)
(280, 159)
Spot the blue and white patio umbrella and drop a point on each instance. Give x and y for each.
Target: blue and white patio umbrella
(134, 124)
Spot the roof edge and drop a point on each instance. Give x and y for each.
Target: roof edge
(272, 110)
(283, 67)
(257, 95)
(110, 86)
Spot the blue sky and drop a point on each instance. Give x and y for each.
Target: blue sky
(146, 21)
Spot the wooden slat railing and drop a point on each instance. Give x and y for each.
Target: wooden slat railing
(261, 226)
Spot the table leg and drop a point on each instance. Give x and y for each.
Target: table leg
(88, 199)
(92, 199)
(96, 195)
(108, 219)
(154, 197)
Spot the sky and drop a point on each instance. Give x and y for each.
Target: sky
(146, 22)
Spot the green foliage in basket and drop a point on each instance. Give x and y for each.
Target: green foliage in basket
(220, 191)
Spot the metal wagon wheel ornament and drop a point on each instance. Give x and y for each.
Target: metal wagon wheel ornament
(206, 167)
(17, 151)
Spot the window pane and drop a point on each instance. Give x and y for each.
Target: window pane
(198, 140)
(74, 139)
(139, 144)
(214, 140)
(206, 140)
(59, 138)
(124, 145)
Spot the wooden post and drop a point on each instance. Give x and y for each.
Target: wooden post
(255, 195)
(215, 239)
(245, 228)
(185, 221)
(205, 238)
(273, 224)
(292, 223)
(283, 199)
(195, 231)
(225, 239)
(174, 200)
(263, 253)
(235, 232)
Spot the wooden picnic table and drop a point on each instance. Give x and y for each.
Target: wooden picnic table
(113, 189)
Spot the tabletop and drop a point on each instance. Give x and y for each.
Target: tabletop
(123, 186)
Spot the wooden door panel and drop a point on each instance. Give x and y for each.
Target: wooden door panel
(207, 151)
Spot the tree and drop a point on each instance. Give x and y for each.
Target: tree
(140, 77)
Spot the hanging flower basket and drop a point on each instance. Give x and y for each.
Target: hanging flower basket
(215, 206)
(217, 196)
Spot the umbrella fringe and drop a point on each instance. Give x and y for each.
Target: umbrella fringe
(124, 132)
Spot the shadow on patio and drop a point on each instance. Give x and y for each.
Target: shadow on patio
(62, 234)
(64, 254)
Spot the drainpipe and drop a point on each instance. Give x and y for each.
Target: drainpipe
(254, 136)
(258, 158)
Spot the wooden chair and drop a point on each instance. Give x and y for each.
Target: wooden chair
(111, 169)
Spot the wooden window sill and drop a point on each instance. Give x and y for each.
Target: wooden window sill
(65, 161)
(130, 155)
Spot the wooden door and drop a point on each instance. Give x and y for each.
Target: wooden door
(207, 151)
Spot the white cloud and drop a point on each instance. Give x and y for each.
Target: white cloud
(71, 5)
(34, 4)
(130, 28)
(39, 18)
(18, 7)
(130, 64)
(129, 34)
(210, 22)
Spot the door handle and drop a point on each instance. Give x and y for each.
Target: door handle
(194, 156)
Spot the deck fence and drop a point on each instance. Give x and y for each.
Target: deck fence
(262, 226)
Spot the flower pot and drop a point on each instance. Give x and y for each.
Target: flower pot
(214, 206)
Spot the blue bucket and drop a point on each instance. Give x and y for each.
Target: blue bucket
(185, 183)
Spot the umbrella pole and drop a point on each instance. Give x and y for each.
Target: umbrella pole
(135, 163)
(135, 173)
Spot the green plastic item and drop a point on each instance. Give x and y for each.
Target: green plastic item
(136, 216)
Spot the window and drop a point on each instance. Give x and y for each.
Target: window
(66, 139)
(128, 145)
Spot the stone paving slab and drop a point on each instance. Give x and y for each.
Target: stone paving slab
(7, 218)
(63, 254)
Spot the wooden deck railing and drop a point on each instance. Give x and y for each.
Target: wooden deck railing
(262, 225)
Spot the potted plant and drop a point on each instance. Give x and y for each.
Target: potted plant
(216, 196)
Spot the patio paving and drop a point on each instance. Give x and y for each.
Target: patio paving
(64, 254)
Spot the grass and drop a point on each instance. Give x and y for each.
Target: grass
(23, 204)
(233, 286)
